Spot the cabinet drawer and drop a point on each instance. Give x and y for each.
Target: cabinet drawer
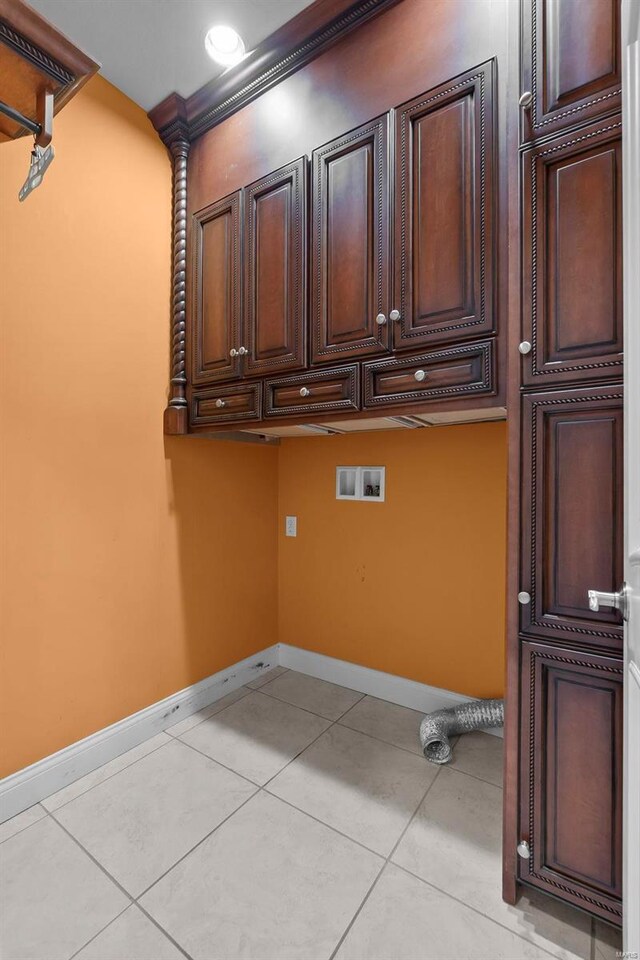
(329, 390)
(440, 373)
(226, 404)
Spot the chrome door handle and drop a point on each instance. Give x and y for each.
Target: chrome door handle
(598, 599)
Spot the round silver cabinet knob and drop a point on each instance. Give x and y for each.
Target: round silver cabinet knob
(381, 319)
(394, 315)
(420, 375)
(242, 351)
(526, 99)
(220, 403)
(524, 850)
(524, 598)
(525, 347)
(233, 352)
(305, 392)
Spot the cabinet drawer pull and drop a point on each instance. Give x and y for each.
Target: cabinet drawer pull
(381, 319)
(305, 392)
(524, 850)
(242, 351)
(394, 315)
(420, 375)
(524, 347)
(233, 352)
(526, 99)
(220, 403)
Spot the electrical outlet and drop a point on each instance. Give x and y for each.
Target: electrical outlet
(291, 526)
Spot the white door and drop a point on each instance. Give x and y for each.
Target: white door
(631, 155)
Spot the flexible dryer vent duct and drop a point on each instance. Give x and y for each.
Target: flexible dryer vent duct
(437, 727)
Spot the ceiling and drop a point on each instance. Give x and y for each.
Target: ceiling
(150, 48)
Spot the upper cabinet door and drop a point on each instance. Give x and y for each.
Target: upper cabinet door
(275, 212)
(570, 63)
(444, 212)
(350, 245)
(216, 302)
(572, 257)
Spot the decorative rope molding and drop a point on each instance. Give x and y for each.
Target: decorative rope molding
(35, 55)
(179, 149)
(286, 65)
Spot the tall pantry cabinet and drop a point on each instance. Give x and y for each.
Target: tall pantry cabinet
(565, 690)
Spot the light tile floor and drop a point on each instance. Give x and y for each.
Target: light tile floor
(291, 820)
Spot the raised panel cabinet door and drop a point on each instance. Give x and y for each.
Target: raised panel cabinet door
(572, 499)
(350, 250)
(572, 256)
(444, 213)
(571, 776)
(216, 283)
(275, 238)
(570, 63)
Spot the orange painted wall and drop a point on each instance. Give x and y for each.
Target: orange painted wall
(413, 586)
(131, 567)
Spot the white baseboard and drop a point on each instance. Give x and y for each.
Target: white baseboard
(21, 790)
(385, 686)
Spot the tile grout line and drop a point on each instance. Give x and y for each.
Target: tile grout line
(93, 859)
(163, 931)
(102, 929)
(173, 739)
(323, 823)
(260, 788)
(383, 867)
(218, 762)
(304, 709)
(106, 779)
(476, 910)
(22, 829)
(191, 849)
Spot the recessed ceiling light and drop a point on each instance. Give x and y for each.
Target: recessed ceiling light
(224, 45)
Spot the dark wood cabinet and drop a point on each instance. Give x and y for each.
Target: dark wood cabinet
(570, 63)
(317, 392)
(350, 250)
(572, 257)
(226, 403)
(217, 294)
(447, 373)
(444, 202)
(275, 283)
(572, 499)
(571, 770)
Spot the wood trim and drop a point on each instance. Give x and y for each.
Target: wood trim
(175, 415)
(295, 44)
(30, 36)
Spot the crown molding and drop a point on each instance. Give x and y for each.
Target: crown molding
(296, 43)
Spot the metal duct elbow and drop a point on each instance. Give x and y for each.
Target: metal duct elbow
(439, 726)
